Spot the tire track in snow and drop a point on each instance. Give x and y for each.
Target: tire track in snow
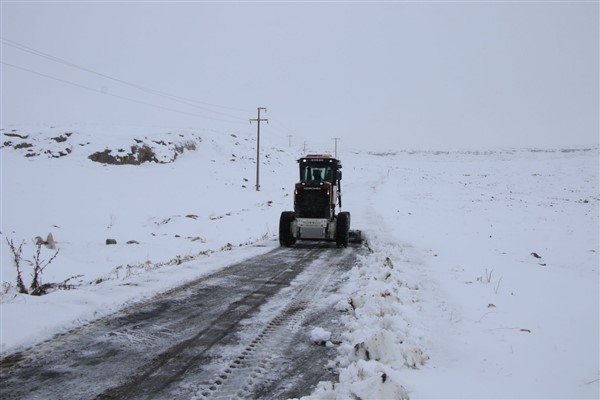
(244, 377)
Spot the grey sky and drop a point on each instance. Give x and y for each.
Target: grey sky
(378, 75)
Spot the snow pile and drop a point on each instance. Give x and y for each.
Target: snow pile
(362, 380)
(383, 304)
(320, 336)
(382, 332)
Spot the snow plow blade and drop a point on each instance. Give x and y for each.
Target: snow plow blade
(355, 236)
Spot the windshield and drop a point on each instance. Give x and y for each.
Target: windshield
(316, 172)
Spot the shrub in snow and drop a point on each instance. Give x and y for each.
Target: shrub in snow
(36, 288)
(16, 252)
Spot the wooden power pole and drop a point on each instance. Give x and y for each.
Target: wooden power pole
(258, 120)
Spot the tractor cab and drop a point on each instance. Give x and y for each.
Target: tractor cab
(320, 167)
(318, 192)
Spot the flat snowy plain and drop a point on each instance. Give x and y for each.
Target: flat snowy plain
(450, 302)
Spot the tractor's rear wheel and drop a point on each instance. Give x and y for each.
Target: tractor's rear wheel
(342, 229)
(286, 239)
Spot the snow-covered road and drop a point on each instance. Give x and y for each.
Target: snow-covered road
(245, 331)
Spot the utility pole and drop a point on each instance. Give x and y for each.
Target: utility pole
(304, 151)
(258, 120)
(336, 140)
(290, 138)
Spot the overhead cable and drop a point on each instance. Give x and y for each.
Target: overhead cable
(179, 99)
(111, 94)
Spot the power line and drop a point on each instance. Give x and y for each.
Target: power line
(182, 100)
(179, 99)
(109, 94)
(30, 50)
(277, 122)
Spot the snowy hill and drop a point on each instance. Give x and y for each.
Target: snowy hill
(170, 209)
(482, 280)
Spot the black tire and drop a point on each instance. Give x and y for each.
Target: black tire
(342, 229)
(285, 229)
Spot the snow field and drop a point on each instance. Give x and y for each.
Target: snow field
(467, 307)
(449, 302)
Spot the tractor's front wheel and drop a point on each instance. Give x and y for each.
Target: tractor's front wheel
(342, 229)
(286, 239)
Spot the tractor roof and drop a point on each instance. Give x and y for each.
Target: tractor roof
(319, 158)
(324, 155)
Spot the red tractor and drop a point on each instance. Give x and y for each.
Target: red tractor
(315, 199)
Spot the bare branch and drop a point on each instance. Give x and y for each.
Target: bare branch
(16, 252)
